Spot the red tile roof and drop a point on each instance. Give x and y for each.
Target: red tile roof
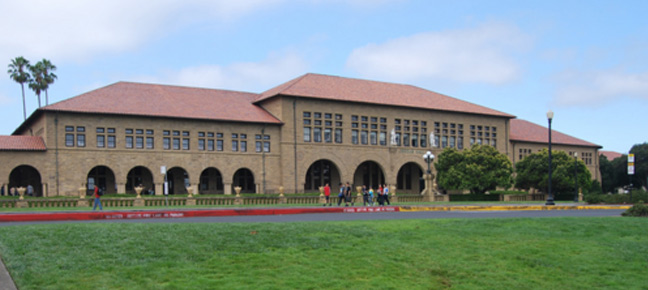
(611, 155)
(373, 92)
(526, 131)
(22, 143)
(126, 98)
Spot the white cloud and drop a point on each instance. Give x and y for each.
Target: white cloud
(599, 88)
(244, 76)
(483, 54)
(80, 29)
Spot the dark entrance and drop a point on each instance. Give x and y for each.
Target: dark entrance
(211, 181)
(139, 175)
(103, 177)
(320, 173)
(244, 178)
(24, 176)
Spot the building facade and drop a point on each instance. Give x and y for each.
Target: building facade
(300, 135)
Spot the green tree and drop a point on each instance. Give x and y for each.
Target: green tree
(608, 177)
(18, 72)
(620, 171)
(478, 169)
(37, 82)
(48, 76)
(533, 172)
(640, 177)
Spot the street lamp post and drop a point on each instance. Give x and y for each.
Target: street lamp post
(550, 198)
(428, 157)
(576, 176)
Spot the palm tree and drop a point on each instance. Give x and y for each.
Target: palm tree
(37, 80)
(17, 72)
(48, 76)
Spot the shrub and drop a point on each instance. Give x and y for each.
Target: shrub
(639, 210)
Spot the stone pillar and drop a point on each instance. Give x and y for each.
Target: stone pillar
(257, 187)
(44, 190)
(580, 194)
(159, 188)
(227, 188)
(6, 189)
(121, 188)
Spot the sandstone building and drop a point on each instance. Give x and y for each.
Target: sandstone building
(312, 130)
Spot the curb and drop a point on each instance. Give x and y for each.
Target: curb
(148, 214)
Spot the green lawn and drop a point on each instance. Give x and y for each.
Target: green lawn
(547, 253)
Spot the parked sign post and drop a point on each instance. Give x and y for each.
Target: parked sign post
(163, 170)
(631, 171)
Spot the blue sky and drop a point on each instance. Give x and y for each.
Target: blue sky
(585, 60)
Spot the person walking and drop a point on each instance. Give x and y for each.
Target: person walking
(386, 194)
(341, 196)
(347, 191)
(97, 199)
(380, 195)
(371, 196)
(327, 194)
(365, 195)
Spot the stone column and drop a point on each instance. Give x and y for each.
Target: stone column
(44, 190)
(227, 188)
(121, 188)
(159, 188)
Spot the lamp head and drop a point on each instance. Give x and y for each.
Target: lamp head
(550, 115)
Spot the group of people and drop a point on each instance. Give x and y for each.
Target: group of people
(382, 193)
(13, 191)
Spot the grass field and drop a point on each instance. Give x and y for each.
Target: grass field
(547, 253)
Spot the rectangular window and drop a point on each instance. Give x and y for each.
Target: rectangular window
(243, 146)
(101, 141)
(139, 142)
(317, 134)
(176, 143)
(338, 117)
(338, 135)
(397, 138)
(414, 140)
(437, 142)
(364, 137)
(423, 140)
(149, 132)
(129, 131)
(374, 138)
(201, 144)
(460, 142)
(258, 145)
(185, 143)
(139, 131)
(112, 141)
(166, 143)
(210, 145)
(129, 141)
(69, 140)
(328, 138)
(383, 138)
(266, 146)
(100, 130)
(235, 145)
(444, 141)
(452, 142)
(69, 128)
(219, 145)
(406, 139)
(307, 134)
(354, 136)
(149, 143)
(81, 140)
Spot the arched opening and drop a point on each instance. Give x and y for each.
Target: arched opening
(369, 173)
(244, 178)
(178, 179)
(410, 179)
(320, 173)
(103, 177)
(211, 181)
(27, 177)
(139, 176)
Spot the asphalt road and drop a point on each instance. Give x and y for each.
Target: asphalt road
(357, 216)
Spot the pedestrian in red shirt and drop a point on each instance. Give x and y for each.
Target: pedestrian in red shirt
(327, 194)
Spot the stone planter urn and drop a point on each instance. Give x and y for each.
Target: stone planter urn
(189, 190)
(138, 190)
(82, 192)
(321, 189)
(237, 189)
(281, 191)
(21, 192)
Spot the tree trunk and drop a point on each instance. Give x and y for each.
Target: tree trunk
(24, 106)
